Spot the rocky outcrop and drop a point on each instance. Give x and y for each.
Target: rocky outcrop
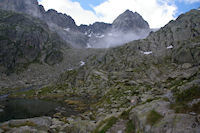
(62, 20)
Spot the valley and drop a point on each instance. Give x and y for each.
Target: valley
(149, 84)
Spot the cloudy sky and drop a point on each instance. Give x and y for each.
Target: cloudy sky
(156, 12)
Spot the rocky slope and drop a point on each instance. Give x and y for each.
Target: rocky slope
(24, 39)
(149, 85)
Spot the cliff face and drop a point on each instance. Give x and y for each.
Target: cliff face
(25, 39)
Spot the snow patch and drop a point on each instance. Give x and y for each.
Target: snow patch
(82, 63)
(100, 36)
(170, 47)
(110, 34)
(67, 29)
(70, 69)
(148, 52)
(88, 45)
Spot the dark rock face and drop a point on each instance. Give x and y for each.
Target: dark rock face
(60, 23)
(54, 57)
(97, 28)
(62, 20)
(129, 21)
(24, 39)
(23, 6)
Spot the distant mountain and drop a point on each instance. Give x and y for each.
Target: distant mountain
(127, 27)
(129, 21)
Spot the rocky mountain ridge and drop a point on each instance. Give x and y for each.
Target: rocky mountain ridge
(82, 36)
(151, 85)
(128, 26)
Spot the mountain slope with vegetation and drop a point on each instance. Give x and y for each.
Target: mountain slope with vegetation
(149, 85)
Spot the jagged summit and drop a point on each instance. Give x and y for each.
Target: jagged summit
(130, 21)
(62, 20)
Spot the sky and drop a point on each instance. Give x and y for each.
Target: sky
(156, 12)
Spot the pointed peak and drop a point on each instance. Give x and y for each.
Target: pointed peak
(128, 12)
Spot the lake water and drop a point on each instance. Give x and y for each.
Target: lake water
(29, 108)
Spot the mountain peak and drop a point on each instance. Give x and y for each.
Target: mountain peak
(130, 13)
(129, 20)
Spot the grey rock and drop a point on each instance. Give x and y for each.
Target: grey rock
(183, 121)
(198, 118)
(186, 65)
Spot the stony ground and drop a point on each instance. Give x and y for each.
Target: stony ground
(146, 86)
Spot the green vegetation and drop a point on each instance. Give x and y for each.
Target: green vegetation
(153, 117)
(26, 123)
(130, 127)
(105, 125)
(188, 95)
(182, 99)
(125, 115)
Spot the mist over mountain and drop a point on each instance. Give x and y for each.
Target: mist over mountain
(127, 27)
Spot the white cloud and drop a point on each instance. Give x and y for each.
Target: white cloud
(156, 12)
